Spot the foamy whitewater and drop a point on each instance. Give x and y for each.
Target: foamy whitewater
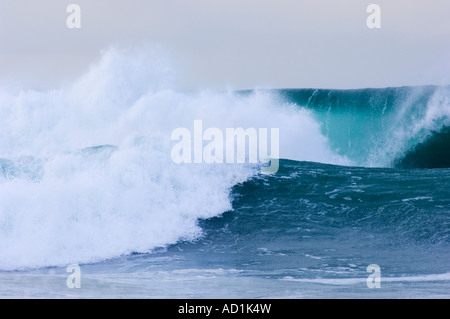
(87, 173)
(86, 177)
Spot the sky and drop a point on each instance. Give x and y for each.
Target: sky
(238, 44)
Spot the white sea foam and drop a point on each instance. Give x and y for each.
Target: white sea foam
(385, 279)
(64, 201)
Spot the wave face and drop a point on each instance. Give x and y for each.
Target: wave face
(86, 173)
(394, 127)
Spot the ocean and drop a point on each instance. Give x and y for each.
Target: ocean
(87, 179)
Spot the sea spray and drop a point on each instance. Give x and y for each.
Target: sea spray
(86, 173)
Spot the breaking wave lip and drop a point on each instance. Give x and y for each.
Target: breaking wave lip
(432, 152)
(86, 173)
(405, 127)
